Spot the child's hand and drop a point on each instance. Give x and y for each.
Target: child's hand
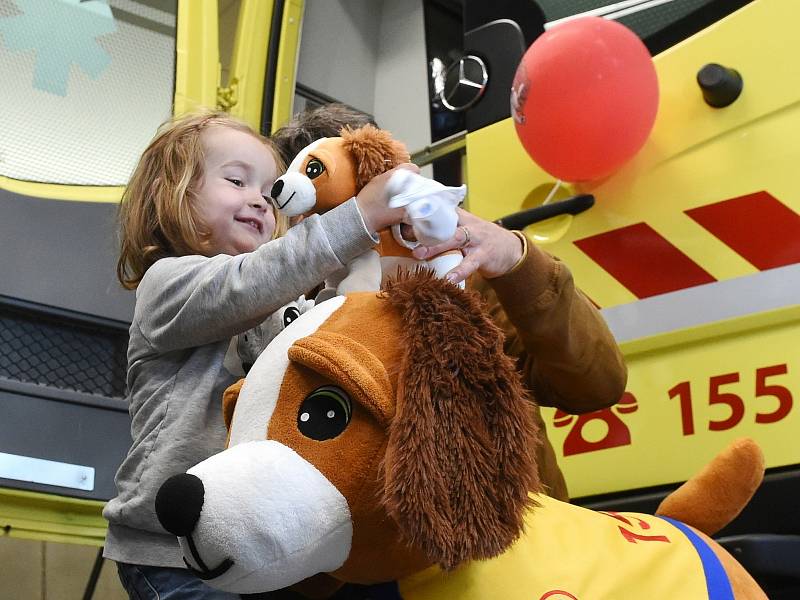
(373, 201)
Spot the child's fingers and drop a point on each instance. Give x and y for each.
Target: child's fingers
(409, 166)
(383, 178)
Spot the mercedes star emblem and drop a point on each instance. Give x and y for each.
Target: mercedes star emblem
(465, 82)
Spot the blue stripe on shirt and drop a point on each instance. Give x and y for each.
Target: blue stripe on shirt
(719, 587)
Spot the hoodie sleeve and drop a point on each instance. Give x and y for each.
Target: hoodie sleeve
(190, 301)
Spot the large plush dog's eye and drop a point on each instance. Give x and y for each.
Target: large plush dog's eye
(290, 314)
(314, 168)
(325, 413)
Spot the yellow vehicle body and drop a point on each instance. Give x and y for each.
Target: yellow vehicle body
(692, 251)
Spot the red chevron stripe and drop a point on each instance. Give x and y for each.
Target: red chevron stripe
(643, 261)
(758, 227)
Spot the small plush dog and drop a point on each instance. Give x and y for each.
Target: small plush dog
(330, 171)
(386, 436)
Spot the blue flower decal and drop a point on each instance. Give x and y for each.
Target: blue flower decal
(62, 32)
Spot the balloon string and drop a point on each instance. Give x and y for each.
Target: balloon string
(552, 192)
(611, 11)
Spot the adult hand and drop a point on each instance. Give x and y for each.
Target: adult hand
(487, 248)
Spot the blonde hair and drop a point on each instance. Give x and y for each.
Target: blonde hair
(157, 213)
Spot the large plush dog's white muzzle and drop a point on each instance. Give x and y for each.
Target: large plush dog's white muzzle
(269, 519)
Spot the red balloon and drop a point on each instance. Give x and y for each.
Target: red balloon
(584, 98)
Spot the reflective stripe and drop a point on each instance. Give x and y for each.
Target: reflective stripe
(643, 260)
(758, 227)
(50, 472)
(767, 290)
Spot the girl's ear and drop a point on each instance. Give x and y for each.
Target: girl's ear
(460, 458)
(229, 398)
(374, 151)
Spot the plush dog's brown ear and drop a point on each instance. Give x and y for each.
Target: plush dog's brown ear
(229, 398)
(374, 151)
(460, 461)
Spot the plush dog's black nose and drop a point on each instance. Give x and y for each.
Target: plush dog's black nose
(178, 503)
(277, 188)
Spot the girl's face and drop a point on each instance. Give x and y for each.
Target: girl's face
(239, 171)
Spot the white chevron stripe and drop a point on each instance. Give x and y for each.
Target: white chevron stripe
(718, 301)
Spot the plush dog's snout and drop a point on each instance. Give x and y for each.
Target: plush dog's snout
(277, 188)
(178, 503)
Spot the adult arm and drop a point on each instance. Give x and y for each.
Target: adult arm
(567, 353)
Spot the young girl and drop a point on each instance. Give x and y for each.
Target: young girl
(200, 246)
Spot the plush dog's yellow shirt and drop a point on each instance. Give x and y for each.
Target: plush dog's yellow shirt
(571, 553)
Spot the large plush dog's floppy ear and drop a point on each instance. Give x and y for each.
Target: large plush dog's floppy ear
(374, 151)
(460, 460)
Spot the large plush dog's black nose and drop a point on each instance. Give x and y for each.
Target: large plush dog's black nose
(178, 503)
(277, 188)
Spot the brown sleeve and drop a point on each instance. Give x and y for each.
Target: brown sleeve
(568, 355)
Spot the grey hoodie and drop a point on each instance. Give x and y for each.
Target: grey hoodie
(187, 310)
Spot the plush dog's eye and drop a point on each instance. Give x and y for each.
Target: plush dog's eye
(290, 314)
(325, 413)
(314, 168)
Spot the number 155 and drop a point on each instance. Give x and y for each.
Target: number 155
(735, 403)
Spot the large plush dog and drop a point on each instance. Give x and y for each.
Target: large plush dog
(385, 436)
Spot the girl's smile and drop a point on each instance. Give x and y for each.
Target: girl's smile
(232, 201)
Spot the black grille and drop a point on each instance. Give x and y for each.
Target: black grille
(62, 352)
